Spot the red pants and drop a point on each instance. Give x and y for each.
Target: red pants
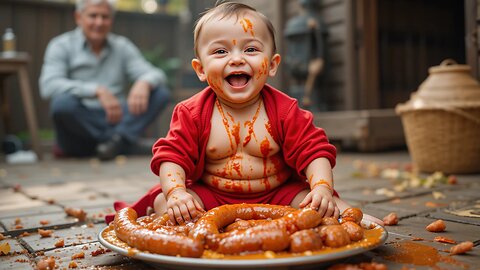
(211, 198)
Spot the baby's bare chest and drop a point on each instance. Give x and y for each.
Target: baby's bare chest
(242, 136)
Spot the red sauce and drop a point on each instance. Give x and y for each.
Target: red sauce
(215, 182)
(225, 123)
(215, 84)
(268, 126)
(265, 149)
(410, 252)
(250, 124)
(371, 237)
(263, 70)
(247, 26)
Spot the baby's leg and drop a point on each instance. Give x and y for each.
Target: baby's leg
(160, 203)
(299, 198)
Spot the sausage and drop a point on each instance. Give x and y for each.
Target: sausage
(354, 230)
(352, 214)
(272, 235)
(334, 236)
(128, 230)
(305, 240)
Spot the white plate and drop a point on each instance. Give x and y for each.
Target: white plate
(197, 263)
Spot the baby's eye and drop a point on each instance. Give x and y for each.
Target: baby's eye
(220, 51)
(251, 49)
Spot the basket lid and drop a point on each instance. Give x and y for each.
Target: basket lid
(448, 84)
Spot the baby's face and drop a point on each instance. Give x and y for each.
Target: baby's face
(235, 57)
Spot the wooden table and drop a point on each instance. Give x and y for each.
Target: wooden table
(16, 64)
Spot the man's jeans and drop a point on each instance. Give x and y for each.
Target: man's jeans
(80, 129)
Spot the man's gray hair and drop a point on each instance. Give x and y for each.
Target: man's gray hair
(81, 4)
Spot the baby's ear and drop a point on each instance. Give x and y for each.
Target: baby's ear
(274, 63)
(198, 67)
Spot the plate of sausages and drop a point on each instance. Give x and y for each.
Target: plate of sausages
(243, 236)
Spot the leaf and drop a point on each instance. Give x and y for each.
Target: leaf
(5, 248)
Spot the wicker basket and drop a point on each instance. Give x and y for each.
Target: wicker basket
(441, 121)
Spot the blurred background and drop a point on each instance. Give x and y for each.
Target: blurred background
(377, 54)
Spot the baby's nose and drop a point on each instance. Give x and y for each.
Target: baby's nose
(237, 60)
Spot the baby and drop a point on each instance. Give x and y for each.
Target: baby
(240, 140)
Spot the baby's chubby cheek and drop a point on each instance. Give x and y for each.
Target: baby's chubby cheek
(263, 70)
(215, 82)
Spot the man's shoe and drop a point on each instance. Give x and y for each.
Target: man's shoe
(142, 147)
(112, 148)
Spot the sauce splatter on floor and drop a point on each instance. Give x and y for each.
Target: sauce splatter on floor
(409, 252)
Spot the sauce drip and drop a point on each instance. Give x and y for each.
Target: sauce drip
(250, 124)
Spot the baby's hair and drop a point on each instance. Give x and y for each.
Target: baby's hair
(223, 10)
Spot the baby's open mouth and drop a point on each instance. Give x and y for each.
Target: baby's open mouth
(238, 80)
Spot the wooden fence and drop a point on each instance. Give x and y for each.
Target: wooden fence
(35, 23)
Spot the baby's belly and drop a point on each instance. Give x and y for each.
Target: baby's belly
(249, 174)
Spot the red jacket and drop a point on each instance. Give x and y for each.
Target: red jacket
(293, 130)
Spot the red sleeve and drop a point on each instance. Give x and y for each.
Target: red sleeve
(180, 146)
(303, 141)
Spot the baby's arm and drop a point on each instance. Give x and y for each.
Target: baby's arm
(320, 177)
(181, 205)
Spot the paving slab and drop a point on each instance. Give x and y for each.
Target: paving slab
(415, 226)
(31, 210)
(93, 186)
(15, 246)
(360, 183)
(61, 192)
(10, 200)
(63, 256)
(91, 202)
(97, 214)
(401, 252)
(17, 225)
(464, 212)
(17, 262)
(72, 236)
(122, 188)
(417, 204)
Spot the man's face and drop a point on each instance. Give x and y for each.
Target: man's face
(95, 21)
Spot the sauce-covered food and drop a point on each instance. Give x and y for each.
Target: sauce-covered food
(243, 231)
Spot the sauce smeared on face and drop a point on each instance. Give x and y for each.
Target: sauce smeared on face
(263, 69)
(247, 26)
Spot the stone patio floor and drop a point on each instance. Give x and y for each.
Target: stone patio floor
(34, 196)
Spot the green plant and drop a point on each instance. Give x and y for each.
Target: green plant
(158, 58)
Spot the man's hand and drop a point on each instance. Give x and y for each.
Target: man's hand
(138, 97)
(182, 207)
(321, 199)
(110, 104)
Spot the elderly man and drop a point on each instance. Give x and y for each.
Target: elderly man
(85, 74)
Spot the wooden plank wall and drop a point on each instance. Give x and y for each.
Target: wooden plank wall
(35, 23)
(335, 85)
(413, 36)
(472, 37)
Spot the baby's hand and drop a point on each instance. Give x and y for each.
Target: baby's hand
(321, 198)
(182, 207)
